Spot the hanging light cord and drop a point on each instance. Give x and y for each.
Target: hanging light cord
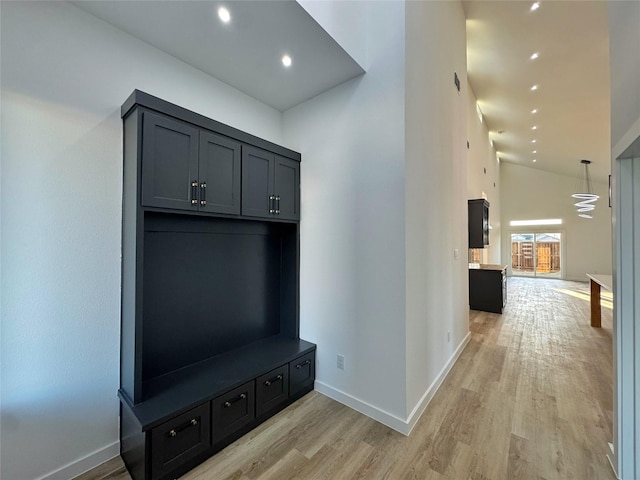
(584, 193)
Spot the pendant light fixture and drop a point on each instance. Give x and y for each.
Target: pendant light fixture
(584, 192)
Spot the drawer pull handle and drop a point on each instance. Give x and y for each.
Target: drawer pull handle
(175, 431)
(273, 380)
(303, 364)
(228, 403)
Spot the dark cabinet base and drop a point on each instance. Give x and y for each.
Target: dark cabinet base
(211, 406)
(487, 289)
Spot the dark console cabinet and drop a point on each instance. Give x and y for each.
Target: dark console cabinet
(478, 223)
(488, 288)
(210, 344)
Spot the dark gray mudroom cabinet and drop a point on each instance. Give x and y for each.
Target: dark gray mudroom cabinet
(210, 344)
(270, 185)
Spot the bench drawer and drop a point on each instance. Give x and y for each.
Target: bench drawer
(180, 439)
(272, 389)
(233, 410)
(302, 373)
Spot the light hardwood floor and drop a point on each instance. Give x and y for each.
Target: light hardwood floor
(529, 398)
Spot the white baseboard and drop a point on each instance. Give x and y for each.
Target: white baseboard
(386, 418)
(435, 385)
(84, 464)
(358, 405)
(611, 456)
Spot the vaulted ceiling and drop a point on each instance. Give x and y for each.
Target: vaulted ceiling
(571, 72)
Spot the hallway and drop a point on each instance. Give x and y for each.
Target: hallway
(529, 398)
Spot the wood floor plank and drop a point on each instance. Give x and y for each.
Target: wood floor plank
(530, 398)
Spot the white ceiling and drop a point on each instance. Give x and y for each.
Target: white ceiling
(245, 53)
(572, 73)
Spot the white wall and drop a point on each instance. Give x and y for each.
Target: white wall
(383, 208)
(528, 193)
(64, 76)
(436, 195)
(483, 177)
(352, 231)
(624, 36)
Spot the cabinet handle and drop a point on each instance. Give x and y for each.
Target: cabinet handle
(174, 431)
(273, 380)
(203, 193)
(228, 403)
(272, 199)
(194, 193)
(303, 364)
(277, 212)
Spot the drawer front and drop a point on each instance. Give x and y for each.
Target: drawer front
(233, 410)
(272, 389)
(180, 439)
(302, 373)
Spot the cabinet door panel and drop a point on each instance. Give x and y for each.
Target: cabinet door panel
(175, 442)
(272, 389)
(219, 170)
(169, 162)
(301, 373)
(232, 411)
(257, 181)
(478, 223)
(287, 188)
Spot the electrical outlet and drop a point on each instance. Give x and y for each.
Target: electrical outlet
(456, 253)
(340, 362)
(448, 337)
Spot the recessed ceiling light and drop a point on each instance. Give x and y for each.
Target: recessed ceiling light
(224, 15)
(534, 56)
(534, 88)
(286, 60)
(535, 6)
(533, 141)
(534, 111)
(534, 160)
(534, 128)
(534, 151)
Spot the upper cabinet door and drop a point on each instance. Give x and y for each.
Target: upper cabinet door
(287, 188)
(219, 174)
(257, 182)
(478, 223)
(169, 163)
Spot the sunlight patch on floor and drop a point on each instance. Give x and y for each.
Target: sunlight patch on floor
(606, 301)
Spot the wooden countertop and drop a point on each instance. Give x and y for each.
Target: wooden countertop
(486, 266)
